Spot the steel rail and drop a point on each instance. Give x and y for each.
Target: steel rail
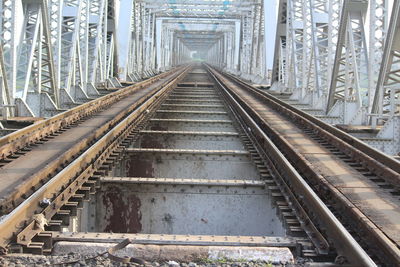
(21, 138)
(370, 154)
(27, 187)
(343, 241)
(350, 214)
(20, 226)
(376, 240)
(321, 245)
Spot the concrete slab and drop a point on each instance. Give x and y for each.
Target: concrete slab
(273, 255)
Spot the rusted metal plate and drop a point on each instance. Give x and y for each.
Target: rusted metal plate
(196, 79)
(184, 114)
(139, 166)
(19, 176)
(151, 141)
(192, 101)
(190, 125)
(121, 212)
(75, 176)
(202, 133)
(184, 209)
(193, 96)
(215, 152)
(193, 107)
(189, 140)
(193, 165)
(201, 194)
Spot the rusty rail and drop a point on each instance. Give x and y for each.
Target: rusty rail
(19, 227)
(377, 160)
(27, 187)
(366, 230)
(15, 141)
(343, 241)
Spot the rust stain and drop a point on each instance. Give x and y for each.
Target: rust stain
(123, 213)
(149, 141)
(140, 167)
(157, 127)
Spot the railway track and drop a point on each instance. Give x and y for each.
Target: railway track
(198, 158)
(43, 161)
(359, 184)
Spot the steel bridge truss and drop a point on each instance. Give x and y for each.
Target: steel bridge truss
(335, 68)
(56, 54)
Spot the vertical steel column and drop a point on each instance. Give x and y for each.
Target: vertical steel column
(324, 17)
(386, 100)
(279, 67)
(350, 78)
(8, 36)
(69, 47)
(295, 48)
(378, 26)
(96, 40)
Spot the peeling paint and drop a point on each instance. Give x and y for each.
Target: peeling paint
(123, 213)
(157, 127)
(138, 166)
(149, 141)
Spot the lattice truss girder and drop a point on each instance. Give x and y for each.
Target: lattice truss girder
(55, 53)
(281, 55)
(350, 79)
(27, 63)
(222, 51)
(386, 102)
(195, 15)
(140, 41)
(379, 21)
(200, 35)
(212, 9)
(251, 59)
(304, 49)
(249, 32)
(325, 57)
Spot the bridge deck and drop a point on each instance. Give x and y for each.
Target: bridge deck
(377, 204)
(17, 176)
